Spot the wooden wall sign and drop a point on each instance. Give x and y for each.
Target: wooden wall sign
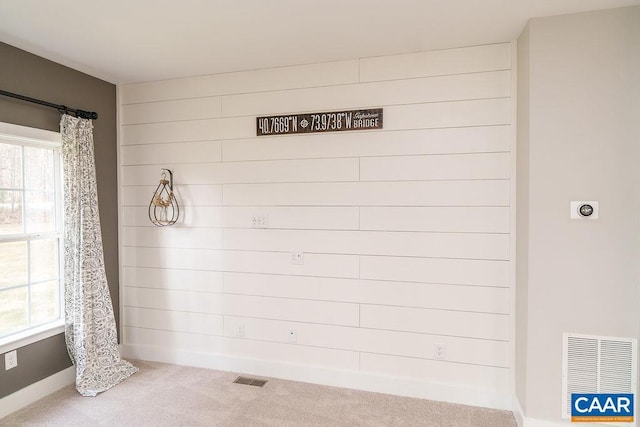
(334, 121)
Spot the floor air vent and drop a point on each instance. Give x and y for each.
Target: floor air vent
(594, 364)
(250, 381)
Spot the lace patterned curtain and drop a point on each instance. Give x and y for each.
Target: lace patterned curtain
(90, 327)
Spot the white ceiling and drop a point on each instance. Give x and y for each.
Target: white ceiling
(124, 41)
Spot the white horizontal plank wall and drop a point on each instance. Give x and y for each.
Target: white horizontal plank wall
(405, 231)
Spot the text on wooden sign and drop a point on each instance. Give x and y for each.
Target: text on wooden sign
(334, 121)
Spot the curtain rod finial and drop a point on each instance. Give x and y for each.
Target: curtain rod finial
(91, 115)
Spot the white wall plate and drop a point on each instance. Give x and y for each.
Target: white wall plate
(575, 209)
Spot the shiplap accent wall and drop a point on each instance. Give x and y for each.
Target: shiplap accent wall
(405, 231)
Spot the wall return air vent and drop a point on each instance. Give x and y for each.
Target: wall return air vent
(596, 364)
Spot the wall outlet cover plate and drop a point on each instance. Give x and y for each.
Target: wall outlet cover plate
(10, 360)
(297, 257)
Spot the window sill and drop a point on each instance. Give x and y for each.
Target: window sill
(30, 336)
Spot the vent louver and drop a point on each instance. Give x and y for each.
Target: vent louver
(593, 364)
(250, 381)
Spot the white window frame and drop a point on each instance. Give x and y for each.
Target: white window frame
(32, 137)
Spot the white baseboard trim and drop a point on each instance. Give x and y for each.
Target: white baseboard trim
(36, 391)
(452, 393)
(518, 413)
(523, 421)
(534, 422)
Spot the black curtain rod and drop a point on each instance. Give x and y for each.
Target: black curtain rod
(92, 115)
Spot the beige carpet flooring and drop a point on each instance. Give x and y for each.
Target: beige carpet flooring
(170, 395)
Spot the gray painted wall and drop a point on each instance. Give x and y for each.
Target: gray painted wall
(27, 74)
(582, 143)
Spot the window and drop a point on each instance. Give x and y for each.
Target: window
(30, 229)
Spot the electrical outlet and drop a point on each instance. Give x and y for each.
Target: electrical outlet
(259, 221)
(297, 257)
(439, 351)
(10, 360)
(239, 330)
(292, 335)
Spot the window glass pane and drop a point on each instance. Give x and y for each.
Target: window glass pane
(14, 315)
(44, 260)
(10, 212)
(13, 264)
(38, 169)
(10, 166)
(40, 211)
(44, 302)
(29, 268)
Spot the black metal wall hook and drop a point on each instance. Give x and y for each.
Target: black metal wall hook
(164, 209)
